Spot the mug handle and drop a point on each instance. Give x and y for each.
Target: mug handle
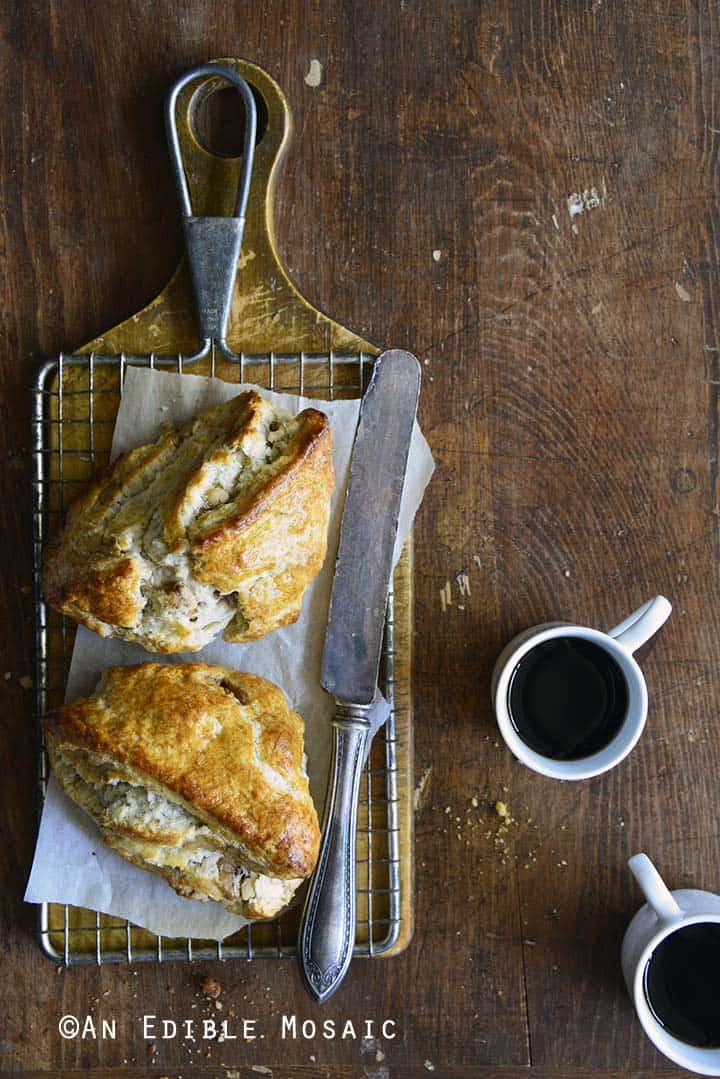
(654, 888)
(642, 624)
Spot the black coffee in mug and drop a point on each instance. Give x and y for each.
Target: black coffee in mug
(567, 698)
(682, 984)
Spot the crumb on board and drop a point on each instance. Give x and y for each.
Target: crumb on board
(446, 596)
(683, 293)
(437, 254)
(211, 988)
(314, 74)
(26, 681)
(589, 198)
(463, 583)
(502, 830)
(429, 1066)
(420, 791)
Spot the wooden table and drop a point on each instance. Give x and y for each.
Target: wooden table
(524, 194)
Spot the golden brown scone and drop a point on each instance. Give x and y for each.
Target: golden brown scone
(219, 526)
(196, 772)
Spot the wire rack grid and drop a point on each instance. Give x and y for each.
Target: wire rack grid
(75, 400)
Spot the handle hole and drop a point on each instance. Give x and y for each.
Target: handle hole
(217, 118)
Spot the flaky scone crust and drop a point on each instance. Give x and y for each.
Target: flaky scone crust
(262, 535)
(260, 551)
(158, 725)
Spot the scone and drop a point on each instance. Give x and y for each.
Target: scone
(219, 526)
(197, 773)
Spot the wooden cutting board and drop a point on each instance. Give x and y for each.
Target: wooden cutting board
(268, 315)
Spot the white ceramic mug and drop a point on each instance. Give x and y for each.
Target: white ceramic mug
(663, 914)
(620, 643)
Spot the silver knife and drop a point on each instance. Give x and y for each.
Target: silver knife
(352, 655)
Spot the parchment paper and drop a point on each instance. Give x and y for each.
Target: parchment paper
(72, 864)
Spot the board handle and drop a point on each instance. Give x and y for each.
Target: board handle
(213, 243)
(267, 312)
(228, 74)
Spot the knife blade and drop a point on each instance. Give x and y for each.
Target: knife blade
(351, 655)
(369, 526)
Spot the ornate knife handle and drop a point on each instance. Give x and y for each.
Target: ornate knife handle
(327, 929)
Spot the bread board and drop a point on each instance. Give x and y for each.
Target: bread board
(283, 343)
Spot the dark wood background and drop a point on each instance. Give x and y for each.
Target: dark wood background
(571, 400)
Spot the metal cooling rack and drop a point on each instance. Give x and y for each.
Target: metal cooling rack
(75, 400)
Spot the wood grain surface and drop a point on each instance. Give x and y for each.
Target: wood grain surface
(526, 195)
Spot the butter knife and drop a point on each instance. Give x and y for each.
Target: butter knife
(351, 655)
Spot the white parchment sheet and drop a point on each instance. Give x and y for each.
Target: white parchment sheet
(71, 864)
